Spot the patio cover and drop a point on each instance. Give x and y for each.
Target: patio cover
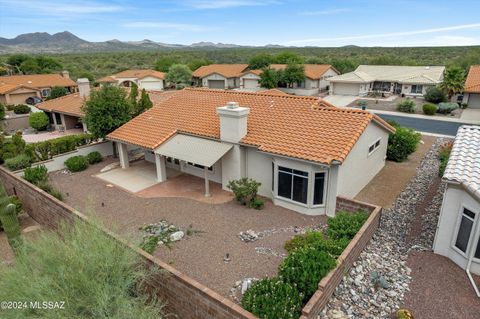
(193, 149)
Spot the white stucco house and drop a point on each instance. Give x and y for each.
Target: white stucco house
(410, 81)
(303, 150)
(471, 94)
(145, 79)
(458, 229)
(219, 76)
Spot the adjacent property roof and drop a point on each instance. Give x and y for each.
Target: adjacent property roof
(7, 88)
(464, 163)
(70, 104)
(472, 84)
(393, 73)
(300, 127)
(37, 81)
(226, 70)
(136, 74)
(272, 92)
(312, 71)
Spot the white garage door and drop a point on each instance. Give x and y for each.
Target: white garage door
(151, 85)
(250, 83)
(474, 101)
(216, 84)
(346, 88)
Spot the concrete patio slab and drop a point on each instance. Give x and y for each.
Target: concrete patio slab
(471, 115)
(340, 100)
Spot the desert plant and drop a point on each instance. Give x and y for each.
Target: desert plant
(2, 111)
(407, 106)
(47, 187)
(346, 225)
(245, 190)
(304, 267)
(76, 163)
(271, 298)
(403, 314)
(38, 121)
(36, 175)
(402, 143)
(304, 240)
(18, 162)
(94, 157)
(257, 203)
(21, 109)
(316, 240)
(11, 147)
(443, 156)
(429, 108)
(435, 95)
(362, 103)
(446, 107)
(95, 276)
(9, 220)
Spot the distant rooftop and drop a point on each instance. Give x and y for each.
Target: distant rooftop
(472, 83)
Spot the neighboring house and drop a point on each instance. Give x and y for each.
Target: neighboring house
(219, 76)
(15, 89)
(303, 150)
(458, 229)
(387, 79)
(472, 88)
(66, 112)
(144, 79)
(317, 79)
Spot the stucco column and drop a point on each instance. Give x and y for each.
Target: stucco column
(207, 183)
(331, 200)
(54, 117)
(123, 155)
(7, 98)
(161, 168)
(62, 116)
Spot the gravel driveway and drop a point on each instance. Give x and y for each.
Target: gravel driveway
(214, 228)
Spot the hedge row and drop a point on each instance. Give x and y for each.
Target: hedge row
(46, 150)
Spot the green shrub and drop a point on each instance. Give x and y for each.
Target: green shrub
(12, 147)
(95, 275)
(407, 106)
(76, 163)
(257, 203)
(245, 190)
(21, 109)
(2, 111)
(316, 240)
(402, 143)
(435, 95)
(346, 225)
(271, 298)
(38, 121)
(36, 175)
(18, 204)
(304, 268)
(18, 162)
(47, 187)
(10, 107)
(443, 156)
(446, 107)
(94, 157)
(149, 244)
(429, 109)
(304, 240)
(47, 149)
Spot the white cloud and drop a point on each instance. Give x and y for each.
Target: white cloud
(325, 12)
(222, 4)
(167, 25)
(61, 7)
(322, 41)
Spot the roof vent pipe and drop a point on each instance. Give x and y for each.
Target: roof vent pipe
(232, 105)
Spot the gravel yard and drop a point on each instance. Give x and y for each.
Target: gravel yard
(211, 230)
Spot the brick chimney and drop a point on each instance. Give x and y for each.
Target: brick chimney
(66, 74)
(233, 122)
(83, 87)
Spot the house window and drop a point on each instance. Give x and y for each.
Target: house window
(45, 92)
(292, 184)
(464, 230)
(416, 89)
(301, 84)
(477, 251)
(200, 166)
(319, 189)
(58, 118)
(373, 147)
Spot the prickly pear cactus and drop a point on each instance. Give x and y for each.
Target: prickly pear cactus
(11, 226)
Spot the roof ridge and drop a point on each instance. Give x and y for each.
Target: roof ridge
(252, 93)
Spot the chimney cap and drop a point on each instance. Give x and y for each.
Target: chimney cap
(233, 105)
(83, 80)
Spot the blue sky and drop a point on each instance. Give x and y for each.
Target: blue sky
(252, 22)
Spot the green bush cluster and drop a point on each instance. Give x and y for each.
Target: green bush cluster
(407, 106)
(5, 200)
(18, 162)
(315, 239)
(46, 150)
(273, 298)
(94, 157)
(435, 95)
(11, 147)
(304, 240)
(36, 175)
(76, 163)
(245, 191)
(443, 156)
(429, 108)
(2, 111)
(402, 143)
(346, 225)
(38, 121)
(21, 109)
(446, 107)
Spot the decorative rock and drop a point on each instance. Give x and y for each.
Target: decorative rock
(176, 236)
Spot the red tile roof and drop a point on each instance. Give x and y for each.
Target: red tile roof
(301, 127)
(137, 74)
(472, 83)
(70, 104)
(37, 81)
(226, 70)
(7, 88)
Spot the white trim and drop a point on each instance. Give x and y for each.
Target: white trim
(375, 147)
(457, 228)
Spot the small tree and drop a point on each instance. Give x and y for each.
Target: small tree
(287, 57)
(143, 104)
(57, 91)
(260, 61)
(133, 96)
(453, 81)
(179, 74)
(245, 190)
(294, 73)
(269, 78)
(106, 110)
(38, 121)
(164, 63)
(434, 95)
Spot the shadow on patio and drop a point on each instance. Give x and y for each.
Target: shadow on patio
(140, 178)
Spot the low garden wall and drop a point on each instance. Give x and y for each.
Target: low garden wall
(184, 297)
(15, 123)
(328, 284)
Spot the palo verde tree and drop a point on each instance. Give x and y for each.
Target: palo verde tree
(106, 110)
(179, 74)
(453, 81)
(269, 78)
(143, 104)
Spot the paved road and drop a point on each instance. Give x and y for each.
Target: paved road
(425, 125)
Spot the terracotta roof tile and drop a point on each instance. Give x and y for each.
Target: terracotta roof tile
(312, 71)
(6, 88)
(38, 80)
(294, 126)
(70, 104)
(272, 92)
(227, 70)
(138, 74)
(472, 83)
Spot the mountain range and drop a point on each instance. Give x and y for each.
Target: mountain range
(66, 42)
